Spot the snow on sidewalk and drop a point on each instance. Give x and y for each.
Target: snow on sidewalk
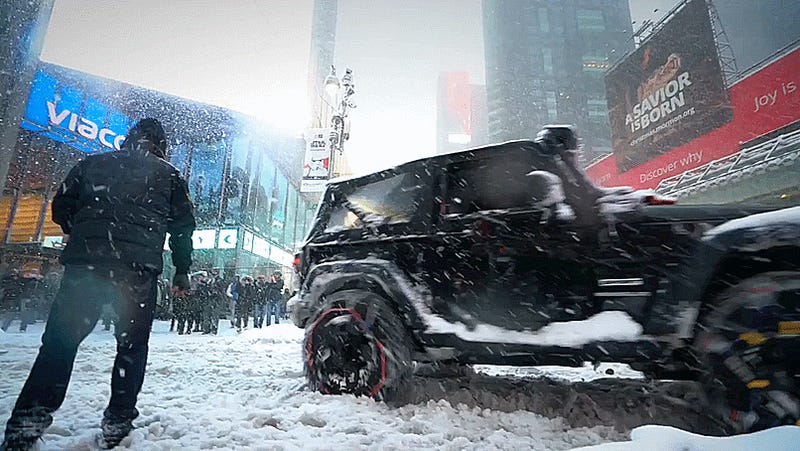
(664, 438)
(247, 392)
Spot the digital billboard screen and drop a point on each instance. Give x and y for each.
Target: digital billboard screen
(66, 114)
(669, 91)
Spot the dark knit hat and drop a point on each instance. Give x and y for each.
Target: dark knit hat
(149, 130)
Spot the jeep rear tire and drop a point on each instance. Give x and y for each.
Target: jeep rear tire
(357, 344)
(749, 343)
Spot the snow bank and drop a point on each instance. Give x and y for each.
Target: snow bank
(664, 438)
(605, 326)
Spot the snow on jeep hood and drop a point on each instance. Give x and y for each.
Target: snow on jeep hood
(605, 326)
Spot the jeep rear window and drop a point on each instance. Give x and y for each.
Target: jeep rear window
(387, 201)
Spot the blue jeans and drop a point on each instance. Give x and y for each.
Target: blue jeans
(78, 305)
(258, 315)
(274, 308)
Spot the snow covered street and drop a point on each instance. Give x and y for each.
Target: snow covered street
(247, 392)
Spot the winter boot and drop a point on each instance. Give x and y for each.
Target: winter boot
(19, 444)
(24, 430)
(114, 431)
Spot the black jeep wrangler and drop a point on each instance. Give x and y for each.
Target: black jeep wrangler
(508, 254)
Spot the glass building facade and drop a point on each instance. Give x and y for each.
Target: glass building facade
(243, 177)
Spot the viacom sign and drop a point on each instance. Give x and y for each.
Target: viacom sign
(65, 114)
(85, 127)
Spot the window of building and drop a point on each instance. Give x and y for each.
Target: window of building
(552, 105)
(547, 61)
(597, 110)
(591, 20)
(544, 22)
(595, 63)
(390, 200)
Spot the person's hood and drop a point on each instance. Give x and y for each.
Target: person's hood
(147, 135)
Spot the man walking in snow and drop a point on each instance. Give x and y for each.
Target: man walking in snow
(274, 297)
(116, 208)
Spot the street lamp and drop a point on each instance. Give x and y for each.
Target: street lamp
(340, 92)
(332, 84)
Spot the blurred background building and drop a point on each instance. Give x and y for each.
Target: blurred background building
(545, 62)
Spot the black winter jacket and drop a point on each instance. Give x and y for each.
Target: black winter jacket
(117, 207)
(274, 289)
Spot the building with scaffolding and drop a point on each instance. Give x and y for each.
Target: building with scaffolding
(697, 152)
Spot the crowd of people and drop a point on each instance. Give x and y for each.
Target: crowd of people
(26, 295)
(211, 298)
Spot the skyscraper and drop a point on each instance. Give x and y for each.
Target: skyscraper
(545, 62)
(323, 44)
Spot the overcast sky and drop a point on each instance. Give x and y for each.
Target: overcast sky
(252, 56)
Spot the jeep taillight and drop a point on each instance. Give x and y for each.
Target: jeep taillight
(659, 200)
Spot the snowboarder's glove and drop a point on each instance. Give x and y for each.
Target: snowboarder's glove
(180, 284)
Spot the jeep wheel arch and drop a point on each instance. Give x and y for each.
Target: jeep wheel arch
(357, 344)
(379, 276)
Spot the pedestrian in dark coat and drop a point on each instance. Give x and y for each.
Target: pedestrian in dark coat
(9, 298)
(20, 296)
(247, 293)
(195, 306)
(181, 310)
(207, 297)
(260, 301)
(116, 209)
(285, 300)
(274, 299)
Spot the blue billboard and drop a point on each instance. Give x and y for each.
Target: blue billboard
(65, 114)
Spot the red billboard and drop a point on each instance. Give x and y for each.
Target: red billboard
(454, 109)
(669, 91)
(764, 101)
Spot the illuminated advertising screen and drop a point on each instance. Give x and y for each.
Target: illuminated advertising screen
(455, 108)
(65, 114)
(227, 239)
(669, 91)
